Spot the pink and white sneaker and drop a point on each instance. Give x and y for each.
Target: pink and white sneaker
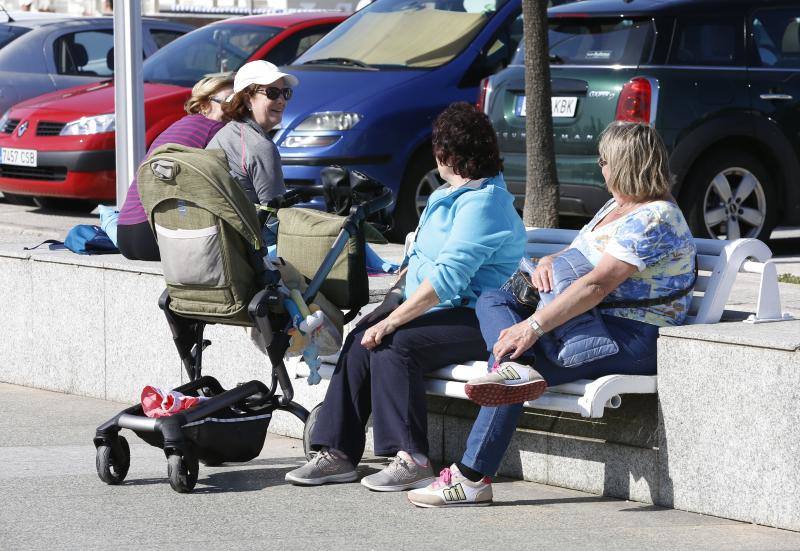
(453, 489)
(507, 383)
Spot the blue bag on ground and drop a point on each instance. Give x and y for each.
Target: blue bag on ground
(584, 338)
(89, 239)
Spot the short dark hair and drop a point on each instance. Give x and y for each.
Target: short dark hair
(463, 138)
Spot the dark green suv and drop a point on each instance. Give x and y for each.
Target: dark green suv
(719, 79)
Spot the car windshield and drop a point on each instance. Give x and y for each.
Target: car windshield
(597, 42)
(10, 32)
(403, 33)
(211, 49)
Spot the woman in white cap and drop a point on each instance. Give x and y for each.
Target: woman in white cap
(260, 93)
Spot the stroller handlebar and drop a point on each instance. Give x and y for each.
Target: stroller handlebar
(384, 200)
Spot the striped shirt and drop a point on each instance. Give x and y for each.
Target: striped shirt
(191, 131)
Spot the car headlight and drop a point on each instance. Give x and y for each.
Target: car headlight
(309, 141)
(330, 120)
(89, 125)
(4, 120)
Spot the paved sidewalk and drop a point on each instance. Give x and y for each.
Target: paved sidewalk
(52, 499)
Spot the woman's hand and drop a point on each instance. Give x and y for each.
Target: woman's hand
(514, 340)
(542, 277)
(374, 335)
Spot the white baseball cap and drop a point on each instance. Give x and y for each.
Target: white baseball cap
(260, 72)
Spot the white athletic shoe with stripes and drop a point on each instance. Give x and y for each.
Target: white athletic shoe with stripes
(507, 383)
(453, 489)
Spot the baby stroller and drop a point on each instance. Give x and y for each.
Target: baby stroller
(189, 195)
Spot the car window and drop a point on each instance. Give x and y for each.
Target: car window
(597, 42)
(211, 49)
(162, 37)
(404, 33)
(497, 53)
(294, 46)
(708, 42)
(776, 35)
(84, 53)
(10, 32)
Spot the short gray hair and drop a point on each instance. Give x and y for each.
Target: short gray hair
(637, 158)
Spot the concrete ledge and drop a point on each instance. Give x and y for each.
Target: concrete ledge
(729, 421)
(723, 437)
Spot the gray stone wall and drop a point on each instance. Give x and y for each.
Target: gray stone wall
(730, 421)
(722, 438)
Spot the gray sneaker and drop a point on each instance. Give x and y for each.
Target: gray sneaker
(403, 473)
(507, 383)
(325, 467)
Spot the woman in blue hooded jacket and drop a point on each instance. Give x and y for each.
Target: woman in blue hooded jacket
(469, 239)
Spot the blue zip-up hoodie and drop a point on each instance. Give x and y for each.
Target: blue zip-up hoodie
(468, 240)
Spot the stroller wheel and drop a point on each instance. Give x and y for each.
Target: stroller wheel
(308, 431)
(182, 472)
(110, 468)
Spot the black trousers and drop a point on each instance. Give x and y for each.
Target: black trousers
(388, 383)
(137, 242)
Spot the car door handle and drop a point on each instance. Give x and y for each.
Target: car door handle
(777, 97)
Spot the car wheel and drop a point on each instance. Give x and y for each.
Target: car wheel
(420, 181)
(730, 195)
(14, 199)
(59, 203)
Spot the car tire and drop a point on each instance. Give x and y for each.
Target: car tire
(14, 199)
(728, 195)
(59, 203)
(420, 180)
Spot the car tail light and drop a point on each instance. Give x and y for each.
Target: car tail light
(635, 101)
(484, 91)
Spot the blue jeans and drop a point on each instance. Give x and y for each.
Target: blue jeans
(492, 431)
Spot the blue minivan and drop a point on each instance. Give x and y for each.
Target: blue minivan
(370, 90)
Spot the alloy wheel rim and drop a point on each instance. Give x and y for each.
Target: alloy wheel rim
(734, 205)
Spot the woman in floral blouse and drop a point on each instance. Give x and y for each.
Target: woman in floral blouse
(640, 252)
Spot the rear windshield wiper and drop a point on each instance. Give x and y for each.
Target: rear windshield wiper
(339, 61)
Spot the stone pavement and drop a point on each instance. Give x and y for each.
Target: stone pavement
(52, 499)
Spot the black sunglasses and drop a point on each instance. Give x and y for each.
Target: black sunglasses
(273, 92)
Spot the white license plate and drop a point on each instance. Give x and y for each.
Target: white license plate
(562, 107)
(18, 157)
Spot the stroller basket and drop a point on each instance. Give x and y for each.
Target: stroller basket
(229, 435)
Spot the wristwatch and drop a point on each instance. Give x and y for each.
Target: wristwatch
(533, 324)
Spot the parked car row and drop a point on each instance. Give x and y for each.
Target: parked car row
(60, 145)
(719, 79)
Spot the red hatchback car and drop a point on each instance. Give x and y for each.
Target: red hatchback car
(61, 145)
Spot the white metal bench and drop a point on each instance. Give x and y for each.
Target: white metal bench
(718, 262)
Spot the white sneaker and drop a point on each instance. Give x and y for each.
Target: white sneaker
(453, 489)
(508, 383)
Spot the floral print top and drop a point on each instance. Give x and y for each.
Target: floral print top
(656, 239)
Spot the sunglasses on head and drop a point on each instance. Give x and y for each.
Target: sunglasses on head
(273, 92)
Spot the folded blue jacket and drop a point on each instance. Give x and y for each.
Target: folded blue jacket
(584, 338)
